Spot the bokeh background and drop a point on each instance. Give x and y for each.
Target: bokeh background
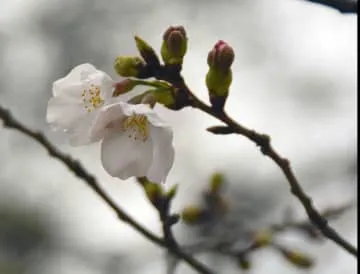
(294, 79)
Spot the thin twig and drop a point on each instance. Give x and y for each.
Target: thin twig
(77, 168)
(343, 6)
(257, 242)
(263, 141)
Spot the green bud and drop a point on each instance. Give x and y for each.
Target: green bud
(262, 238)
(297, 258)
(216, 182)
(191, 214)
(147, 52)
(129, 66)
(153, 191)
(244, 262)
(172, 192)
(174, 46)
(123, 87)
(218, 83)
(219, 76)
(163, 96)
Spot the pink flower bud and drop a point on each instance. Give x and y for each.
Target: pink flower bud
(174, 46)
(174, 37)
(221, 56)
(123, 86)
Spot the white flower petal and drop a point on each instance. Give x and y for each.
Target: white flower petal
(78, 97)
(63, 111)
(104, 81)
(77, 74)
(80, 135)
(124, 157)
(163, 154)
(108, 115)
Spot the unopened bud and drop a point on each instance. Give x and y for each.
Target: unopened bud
(219, 76)
(192, 214)
(174, 46)
(172, 192)
(244, 262)
(221, 56)
(147, 52)
(262, 238)
(154, 192)
(216, 182)
(166, 97)
(218, 84)
(129, 66)
(298, 259)
(123, 87)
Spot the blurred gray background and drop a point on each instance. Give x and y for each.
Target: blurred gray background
(294, 79)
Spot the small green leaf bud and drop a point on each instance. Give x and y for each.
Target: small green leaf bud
(174, 46)
(154, 192)
(297, 258)
(147, 52)
(163, 96)
(244, 262)
(262, 238)
(166, 97)
(192, 214)
(216, 182)
(172, 192)
(129, 66)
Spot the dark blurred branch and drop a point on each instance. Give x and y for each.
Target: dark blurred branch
(77, 168)
(308, 227)
(185, 97)
(265, 237)
(344, 6)
(161, 202)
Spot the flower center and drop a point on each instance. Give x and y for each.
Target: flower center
(91, 98)
(137, 127)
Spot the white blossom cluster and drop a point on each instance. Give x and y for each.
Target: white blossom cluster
(135, 142)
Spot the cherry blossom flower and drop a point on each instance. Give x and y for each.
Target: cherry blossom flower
(136, 142)
(76, 100)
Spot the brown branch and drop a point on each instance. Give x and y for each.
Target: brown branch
(264, 237)
(343, 6)
(187, 98)
(161, 201)
(77, 168)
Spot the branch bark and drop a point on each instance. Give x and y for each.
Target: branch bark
(79, 171)
(188, 98)
(343, 6)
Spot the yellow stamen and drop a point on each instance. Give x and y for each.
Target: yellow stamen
(138, 127)
(92, 98)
